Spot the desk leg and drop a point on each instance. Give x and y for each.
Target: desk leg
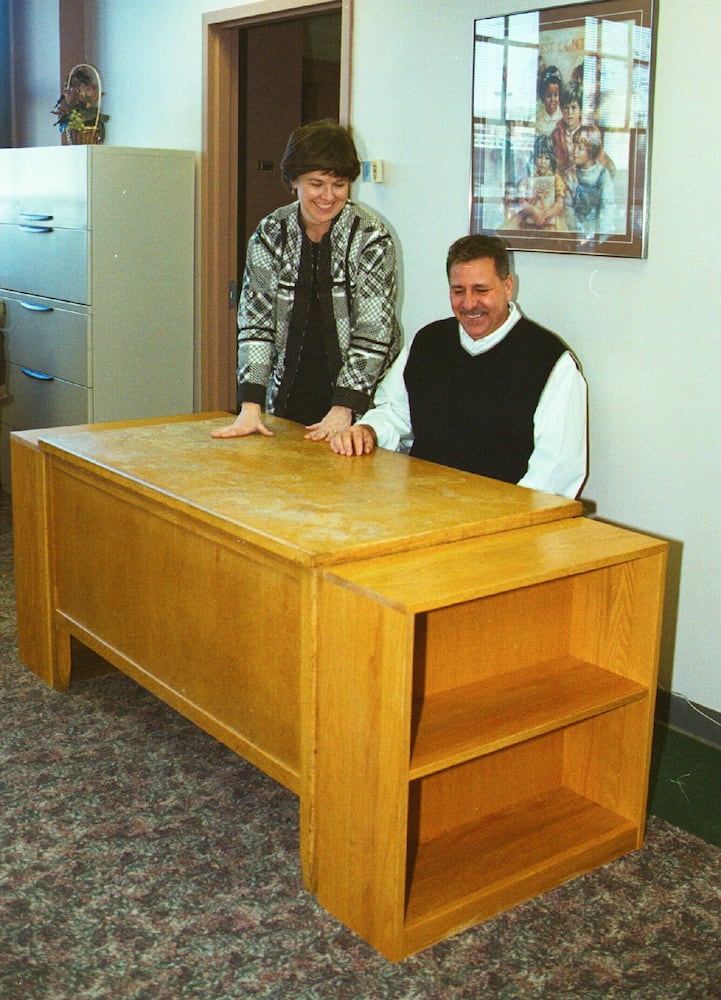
(31, 540)
(63, 659)
(309, 616)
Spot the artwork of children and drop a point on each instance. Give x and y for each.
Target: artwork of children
(590, 194)
(541, 195)
(570, 122)
(561, 126)
(549, 95)
(568, 182)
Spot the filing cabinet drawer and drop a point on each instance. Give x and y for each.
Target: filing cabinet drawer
(50, 182)
(46, 335)
(41, 260)
(44, 401)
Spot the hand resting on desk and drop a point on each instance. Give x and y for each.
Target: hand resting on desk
(359, 439)
(248, 421)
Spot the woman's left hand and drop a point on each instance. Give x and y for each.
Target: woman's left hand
(337, 419)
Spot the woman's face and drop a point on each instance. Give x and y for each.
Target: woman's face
(322, 196)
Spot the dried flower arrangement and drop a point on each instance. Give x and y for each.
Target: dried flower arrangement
(77, 110)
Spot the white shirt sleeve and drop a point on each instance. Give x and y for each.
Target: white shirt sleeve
(558, 462)
(390, 416)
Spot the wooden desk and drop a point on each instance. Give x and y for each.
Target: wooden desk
(456, 676)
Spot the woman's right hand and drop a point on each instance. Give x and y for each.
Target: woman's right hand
(248, 421)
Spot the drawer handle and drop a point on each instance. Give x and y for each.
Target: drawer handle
(37, 229)
(41, 376)
(36, 307)
(35, 217)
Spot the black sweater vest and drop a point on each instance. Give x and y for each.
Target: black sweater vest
(476, 413)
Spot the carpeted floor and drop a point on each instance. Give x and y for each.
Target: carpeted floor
(142, 860)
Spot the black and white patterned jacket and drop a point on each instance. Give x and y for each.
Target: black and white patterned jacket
(363, 294)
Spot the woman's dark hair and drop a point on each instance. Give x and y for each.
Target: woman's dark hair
(322, 145)
(477, 247)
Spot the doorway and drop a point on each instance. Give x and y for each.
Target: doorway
(289, 76)
(265, 72)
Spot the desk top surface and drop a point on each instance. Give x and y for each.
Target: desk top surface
(294, 497)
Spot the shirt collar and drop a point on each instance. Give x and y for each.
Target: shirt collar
(475, 347)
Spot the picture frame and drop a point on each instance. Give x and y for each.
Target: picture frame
(561, 127)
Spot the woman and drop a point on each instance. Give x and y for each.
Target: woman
(316, 324)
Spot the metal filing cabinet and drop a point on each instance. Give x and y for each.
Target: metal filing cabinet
(96, 285)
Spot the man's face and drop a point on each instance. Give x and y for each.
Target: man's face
(479, 298)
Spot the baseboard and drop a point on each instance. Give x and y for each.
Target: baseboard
(695, 720)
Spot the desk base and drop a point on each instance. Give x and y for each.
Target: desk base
(465, 716)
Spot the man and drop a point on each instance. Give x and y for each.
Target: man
(486, 390)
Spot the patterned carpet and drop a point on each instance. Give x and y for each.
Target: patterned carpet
(142, 860)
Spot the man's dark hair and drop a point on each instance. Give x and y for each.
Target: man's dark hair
(322, 145)
(476, 247)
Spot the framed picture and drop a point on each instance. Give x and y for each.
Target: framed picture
(562, 101)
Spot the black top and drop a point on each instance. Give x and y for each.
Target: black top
(476, 412)
(313, 355)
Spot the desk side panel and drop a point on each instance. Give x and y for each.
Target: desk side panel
(363, 741)
(201, 619)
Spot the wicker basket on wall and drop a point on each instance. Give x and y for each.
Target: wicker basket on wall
(89, 135)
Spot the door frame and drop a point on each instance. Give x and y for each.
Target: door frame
(216, 363)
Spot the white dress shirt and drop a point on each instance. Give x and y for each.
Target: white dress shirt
(559, 457)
